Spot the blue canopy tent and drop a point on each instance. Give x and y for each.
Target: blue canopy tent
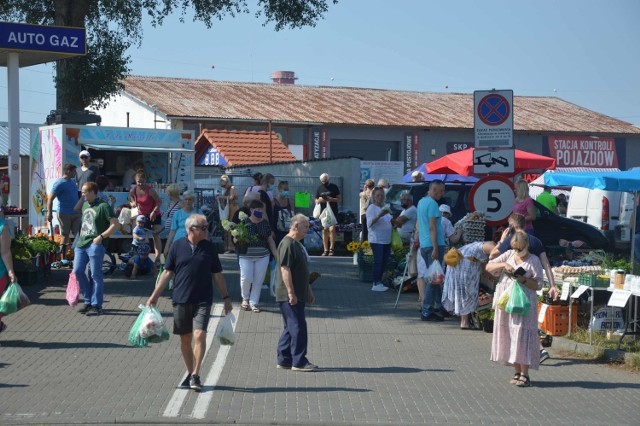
(446, 178)
(627, 181)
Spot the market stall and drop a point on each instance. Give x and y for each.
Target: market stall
(165, 155)
(623, 288)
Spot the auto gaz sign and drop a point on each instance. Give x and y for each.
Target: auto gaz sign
(42, 38)
(493, 118)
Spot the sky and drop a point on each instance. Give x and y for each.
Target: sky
(584, 51)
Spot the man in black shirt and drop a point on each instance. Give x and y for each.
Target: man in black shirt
(328, 192)
(192, 293)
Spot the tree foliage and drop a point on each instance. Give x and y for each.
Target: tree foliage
(115, 25)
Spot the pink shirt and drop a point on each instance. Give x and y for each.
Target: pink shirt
(522, 207)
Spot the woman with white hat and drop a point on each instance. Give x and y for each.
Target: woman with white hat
(451, 235)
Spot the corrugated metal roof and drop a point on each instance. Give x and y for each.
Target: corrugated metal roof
(243, 147)
(25, 139)
(220, 100)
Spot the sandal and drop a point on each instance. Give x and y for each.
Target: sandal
(523, 381)
(515, 379)
(325, 253)
(245, 307)
(255, 309)
(331, 252)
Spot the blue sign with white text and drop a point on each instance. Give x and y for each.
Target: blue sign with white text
(42, 38)
(212, 158)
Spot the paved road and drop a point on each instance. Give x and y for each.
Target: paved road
(380, 365)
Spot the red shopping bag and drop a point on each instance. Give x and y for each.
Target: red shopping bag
(73, 290)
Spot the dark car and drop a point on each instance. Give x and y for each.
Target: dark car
(456, 196)
(548, 226)
(551, 228)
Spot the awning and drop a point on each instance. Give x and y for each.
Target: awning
(138, 148)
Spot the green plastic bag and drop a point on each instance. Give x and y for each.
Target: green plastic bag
(9, 300)
(396, 240)
(518, 303)
(148, 328)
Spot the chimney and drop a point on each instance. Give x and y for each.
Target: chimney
(284, 77)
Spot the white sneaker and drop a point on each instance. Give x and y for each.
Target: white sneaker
(379, 287)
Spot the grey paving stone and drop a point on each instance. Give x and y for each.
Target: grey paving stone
(379, 365)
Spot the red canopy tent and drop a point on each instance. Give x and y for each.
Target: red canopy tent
(461, 162)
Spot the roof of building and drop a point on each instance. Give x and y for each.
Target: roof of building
(218, 100)
(243, 147)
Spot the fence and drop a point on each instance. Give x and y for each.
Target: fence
(208, 184)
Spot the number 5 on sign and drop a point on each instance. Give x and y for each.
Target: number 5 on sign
(494, 196)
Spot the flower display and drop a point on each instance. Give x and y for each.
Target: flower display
(239, 231)
(355, 246)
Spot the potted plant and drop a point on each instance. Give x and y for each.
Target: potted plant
(365, 259)
(486, 317)
(240, 233)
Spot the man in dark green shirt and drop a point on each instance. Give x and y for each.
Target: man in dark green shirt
(292, 293)
(98, 223)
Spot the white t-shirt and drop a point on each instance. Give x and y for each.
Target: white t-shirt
(379, 232)
(407, 228)
(448, 228)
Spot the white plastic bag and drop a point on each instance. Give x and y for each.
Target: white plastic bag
(317, 210)
(327, 219)
(225, 335)
(152, 324)
(435, 273)
(224, 211)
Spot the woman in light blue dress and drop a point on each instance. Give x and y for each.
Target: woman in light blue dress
(461, 282)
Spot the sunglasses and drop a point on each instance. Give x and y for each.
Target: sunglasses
(84, 157)
(202, 228)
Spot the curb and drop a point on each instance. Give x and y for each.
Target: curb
(566, 344)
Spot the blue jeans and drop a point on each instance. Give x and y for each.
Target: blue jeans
(93, 255)
(433, 293)
(381, 253)
(292, 345)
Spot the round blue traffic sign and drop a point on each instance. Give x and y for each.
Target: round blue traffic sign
(493, 109)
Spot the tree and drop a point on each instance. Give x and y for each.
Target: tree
(115, 25)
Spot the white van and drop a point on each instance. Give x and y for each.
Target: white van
(608, 211)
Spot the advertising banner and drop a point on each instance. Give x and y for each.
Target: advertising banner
(583, 151)
(393, 171)
(319, 144)
(412, 151)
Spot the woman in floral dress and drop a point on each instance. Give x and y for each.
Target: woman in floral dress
(515, 337)
(462, 281)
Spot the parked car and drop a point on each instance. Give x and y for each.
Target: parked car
(456, 196)
(551, 228)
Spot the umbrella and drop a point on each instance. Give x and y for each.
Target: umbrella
(628, 180)
(446, 178)
(461, 162)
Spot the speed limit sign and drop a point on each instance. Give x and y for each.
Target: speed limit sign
(494, 196)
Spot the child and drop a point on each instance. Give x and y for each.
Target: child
(141, 263)
(139, 234)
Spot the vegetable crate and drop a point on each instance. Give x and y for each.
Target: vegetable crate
(593, 280)
(556, 319)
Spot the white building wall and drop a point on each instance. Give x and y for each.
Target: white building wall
(141, 115)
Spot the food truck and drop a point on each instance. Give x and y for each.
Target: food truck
(167, 156)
